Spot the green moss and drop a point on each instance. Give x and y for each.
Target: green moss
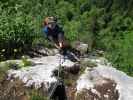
(25, 62)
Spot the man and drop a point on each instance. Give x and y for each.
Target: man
(56, 35)
(53, 32)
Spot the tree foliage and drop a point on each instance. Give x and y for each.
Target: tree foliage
(103, 24)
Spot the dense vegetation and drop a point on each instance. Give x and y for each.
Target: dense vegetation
(103, 24)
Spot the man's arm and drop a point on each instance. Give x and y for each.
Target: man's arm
(50, 38)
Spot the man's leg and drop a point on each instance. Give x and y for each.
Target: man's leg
(57, 39)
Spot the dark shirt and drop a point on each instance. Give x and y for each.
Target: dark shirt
(53, 32)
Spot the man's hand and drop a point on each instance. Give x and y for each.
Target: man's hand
(60, 44)
(56, 46)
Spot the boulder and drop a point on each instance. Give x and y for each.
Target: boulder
(80, 46)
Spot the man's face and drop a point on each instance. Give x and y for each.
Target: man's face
(51, 25)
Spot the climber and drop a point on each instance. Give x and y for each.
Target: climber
(53, 32)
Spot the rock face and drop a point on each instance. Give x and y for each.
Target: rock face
(101, 82)
(105, 91)
(104, 83)
(42, 72)
(96, 88)
(12, 90)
